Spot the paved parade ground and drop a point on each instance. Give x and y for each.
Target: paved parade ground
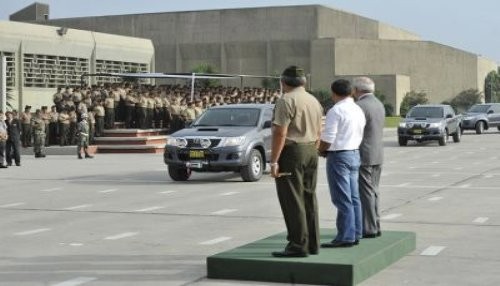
(120, 220)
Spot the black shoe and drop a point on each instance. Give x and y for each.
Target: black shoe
(80, 157)
(9, 164)
(42, 155)
(372, 235)
(288, 253)
(338, 244)
(313, 252)
(18, 164)
(89, 157)
(3, 166)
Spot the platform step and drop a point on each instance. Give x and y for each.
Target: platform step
(154, 148)
(146, 140)
(332, 266)
(135, 132)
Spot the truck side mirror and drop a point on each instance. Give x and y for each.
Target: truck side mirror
(491, 111)
(268, 124)
(449, 116)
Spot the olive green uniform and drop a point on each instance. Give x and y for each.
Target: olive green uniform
(38, 127)
(83, 137)
(302, 113)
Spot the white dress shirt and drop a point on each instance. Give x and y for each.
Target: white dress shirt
(344, 126)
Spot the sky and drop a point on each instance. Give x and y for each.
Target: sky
(467, 25)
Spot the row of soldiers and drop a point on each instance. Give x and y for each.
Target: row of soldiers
(143, 107)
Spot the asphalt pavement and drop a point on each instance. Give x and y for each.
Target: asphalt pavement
(120, 220)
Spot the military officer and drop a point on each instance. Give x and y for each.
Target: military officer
(294, 162)
(26, 126)
(83, 137)
(38, 126)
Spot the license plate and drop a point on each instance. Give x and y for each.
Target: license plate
(196, 154)
(417, 137)
(417, 131)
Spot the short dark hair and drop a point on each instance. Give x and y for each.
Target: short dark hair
(342, 87)
(293, 76)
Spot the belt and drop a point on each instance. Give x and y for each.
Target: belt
(341, 151)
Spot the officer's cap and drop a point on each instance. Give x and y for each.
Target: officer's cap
(294, 71)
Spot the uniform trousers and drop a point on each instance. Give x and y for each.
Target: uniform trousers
(297, 196)
(109, 118)
(369, 179)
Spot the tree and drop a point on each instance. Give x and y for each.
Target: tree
(324, 97)
(206, 68)
(411, 99)
(466, 99)
(492, 87)
(389, 109)
(271, 83)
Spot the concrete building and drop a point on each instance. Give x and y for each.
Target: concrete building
(42, 58)
(326, 42)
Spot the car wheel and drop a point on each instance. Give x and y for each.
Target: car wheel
(253, 171)
(457, 136)
(443, 140)
(480, 127)
(178, 173)
(402, 141)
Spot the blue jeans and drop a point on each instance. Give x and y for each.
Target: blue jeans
(342, 169)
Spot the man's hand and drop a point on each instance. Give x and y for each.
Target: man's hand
(275, 170)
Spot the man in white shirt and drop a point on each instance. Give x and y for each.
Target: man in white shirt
(340, 142)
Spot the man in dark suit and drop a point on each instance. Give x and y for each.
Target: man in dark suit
(14, 139)
(372, 154)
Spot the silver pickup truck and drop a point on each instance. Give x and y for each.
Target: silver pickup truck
(430, 122)
(229, 138)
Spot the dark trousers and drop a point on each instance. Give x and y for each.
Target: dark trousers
(63, 134)
(26, 135)
(72, 133)
(130, 117)
(99, 126)
(109, 118)
(47, 134)
(369, 179)
(142, 117)
(2, 151)
(297, 196)
(53, 132)
(12, 151)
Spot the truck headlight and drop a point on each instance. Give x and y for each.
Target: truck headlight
(232, 141)
(402, 124)
(435, 125)
(177, 142)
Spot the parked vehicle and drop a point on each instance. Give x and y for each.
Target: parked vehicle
(430, 122)
(233, 138)
(481, 117)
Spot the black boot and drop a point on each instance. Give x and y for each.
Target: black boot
(80, 156)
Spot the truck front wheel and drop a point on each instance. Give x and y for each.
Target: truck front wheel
(253, 170)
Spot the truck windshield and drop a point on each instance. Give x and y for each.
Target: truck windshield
(479, 108)
(229, 117)
(426, 112)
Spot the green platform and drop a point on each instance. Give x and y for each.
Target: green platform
(337, 266)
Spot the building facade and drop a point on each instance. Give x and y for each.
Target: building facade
(41, 58)
(328, 43)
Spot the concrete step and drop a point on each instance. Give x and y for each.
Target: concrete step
(131, 148)
(144, 140)
(135, 132)
(58, 150)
